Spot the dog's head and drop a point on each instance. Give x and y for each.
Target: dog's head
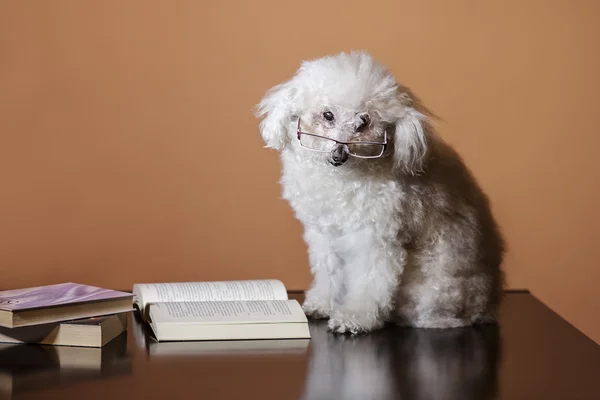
(344, 107)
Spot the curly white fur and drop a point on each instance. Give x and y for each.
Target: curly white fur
(408, 237)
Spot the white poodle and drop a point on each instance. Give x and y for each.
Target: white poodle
(397, 228)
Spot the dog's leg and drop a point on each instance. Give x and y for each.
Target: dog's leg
(324, 264)
(371, 273)
(449, 286)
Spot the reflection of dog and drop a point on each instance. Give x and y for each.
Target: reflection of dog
(450, 364)
(397, 228)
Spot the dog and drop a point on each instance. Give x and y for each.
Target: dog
(397, 228)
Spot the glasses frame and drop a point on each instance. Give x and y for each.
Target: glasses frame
(384, 144)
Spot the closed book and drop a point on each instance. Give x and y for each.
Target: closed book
(60, 302)
(87, 332)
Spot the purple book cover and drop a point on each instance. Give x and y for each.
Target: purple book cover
(55, 295)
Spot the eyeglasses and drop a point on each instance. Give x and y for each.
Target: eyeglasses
(358, 149)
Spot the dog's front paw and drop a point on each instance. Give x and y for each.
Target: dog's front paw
(314, 310)
(337, 325)
(350, 324)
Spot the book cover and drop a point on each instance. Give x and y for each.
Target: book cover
(55, 295)
(92, 321)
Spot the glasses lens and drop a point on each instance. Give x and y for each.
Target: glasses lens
(316, 143)
(365, 150)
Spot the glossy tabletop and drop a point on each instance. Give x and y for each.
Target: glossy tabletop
(531, 354)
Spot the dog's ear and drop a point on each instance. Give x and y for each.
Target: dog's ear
(276, 108)
(410, 141)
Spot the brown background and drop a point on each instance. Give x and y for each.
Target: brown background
(129, 151)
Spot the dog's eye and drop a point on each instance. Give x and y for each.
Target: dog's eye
(328, 115)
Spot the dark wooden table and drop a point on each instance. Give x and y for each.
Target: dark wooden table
(532, 354)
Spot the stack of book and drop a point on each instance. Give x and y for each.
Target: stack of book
(72, 314)
(66, 314)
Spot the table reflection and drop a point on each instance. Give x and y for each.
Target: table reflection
(29, 367)
(397, 363)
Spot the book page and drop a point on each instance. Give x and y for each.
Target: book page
(223, 312)
(268, 289)
(228, 347)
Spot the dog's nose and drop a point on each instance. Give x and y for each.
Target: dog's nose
(339, 155)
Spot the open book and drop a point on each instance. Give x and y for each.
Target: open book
(222, 310)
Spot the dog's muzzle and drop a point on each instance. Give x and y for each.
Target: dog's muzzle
(339, 155)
